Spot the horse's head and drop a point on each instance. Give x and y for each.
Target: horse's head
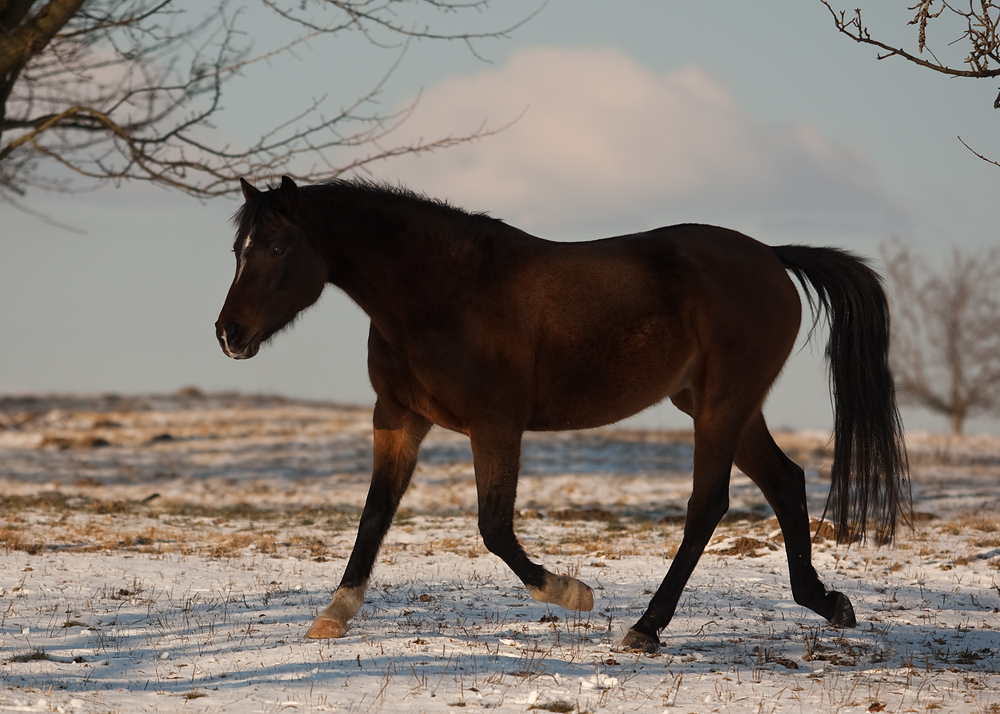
(279, 272)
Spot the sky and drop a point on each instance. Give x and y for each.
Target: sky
(626, 116)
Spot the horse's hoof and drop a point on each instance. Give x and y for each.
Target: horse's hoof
(579, 598)
(639, 642)
(835, 607)
(325, 628)
(843, 611)
(564, 591)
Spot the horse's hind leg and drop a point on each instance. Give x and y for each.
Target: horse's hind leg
(715, 443)
(496, 456)
(783, 484)
(397, 441)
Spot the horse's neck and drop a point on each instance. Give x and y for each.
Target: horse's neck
(398, 259)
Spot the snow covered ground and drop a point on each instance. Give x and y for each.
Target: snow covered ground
(167, 553)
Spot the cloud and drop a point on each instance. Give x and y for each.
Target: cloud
(606, 142)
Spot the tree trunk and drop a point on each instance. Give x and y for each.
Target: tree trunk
(957, 420)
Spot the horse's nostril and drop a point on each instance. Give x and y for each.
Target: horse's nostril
(232, 332)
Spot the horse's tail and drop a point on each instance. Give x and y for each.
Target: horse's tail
(870, 479)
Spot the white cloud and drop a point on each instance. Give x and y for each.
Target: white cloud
(605, 143)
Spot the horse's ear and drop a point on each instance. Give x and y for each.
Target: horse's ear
(288, 196)
(249, 190)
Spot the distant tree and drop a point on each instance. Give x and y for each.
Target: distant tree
(971, 30)
(114, 90)
(945, 349)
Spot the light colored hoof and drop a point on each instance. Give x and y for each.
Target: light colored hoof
(325, 628)
(581, 598)
(564, 591)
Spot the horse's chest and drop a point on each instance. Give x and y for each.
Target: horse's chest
(447, 383)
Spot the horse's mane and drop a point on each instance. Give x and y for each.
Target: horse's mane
(258, 211)
(377, 188)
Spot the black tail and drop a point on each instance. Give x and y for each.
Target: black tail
(870, 480)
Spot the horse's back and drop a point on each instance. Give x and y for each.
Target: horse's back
(741, 282)
(692, 280)
(619, 324)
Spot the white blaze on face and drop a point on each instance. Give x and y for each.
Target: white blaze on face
(241, 260)
(225, 344)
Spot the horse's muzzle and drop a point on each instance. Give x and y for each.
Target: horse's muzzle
(232, 338)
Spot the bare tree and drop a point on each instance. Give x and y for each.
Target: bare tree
(945, 350)
(114, 90)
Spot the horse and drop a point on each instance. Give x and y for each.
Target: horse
(486, 330)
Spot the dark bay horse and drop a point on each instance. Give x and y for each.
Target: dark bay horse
(491, 332)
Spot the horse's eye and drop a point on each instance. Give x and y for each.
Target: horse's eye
(277, 249)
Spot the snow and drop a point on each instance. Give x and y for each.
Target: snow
(167, 554)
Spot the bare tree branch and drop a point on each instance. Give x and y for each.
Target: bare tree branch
(116, 90)
(977, 26)
(987, 160)
(24, 37)
(981, 20)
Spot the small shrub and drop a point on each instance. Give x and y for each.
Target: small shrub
(33, 655)
(557, 706)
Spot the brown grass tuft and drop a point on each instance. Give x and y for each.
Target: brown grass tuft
(745, 547)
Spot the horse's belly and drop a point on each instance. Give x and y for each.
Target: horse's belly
(605, 394)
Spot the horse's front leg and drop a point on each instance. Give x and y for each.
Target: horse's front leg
(496, 457)
(397, 440)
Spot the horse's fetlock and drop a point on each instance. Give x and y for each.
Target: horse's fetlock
(495, 538)
(345, 604)
(809, 595)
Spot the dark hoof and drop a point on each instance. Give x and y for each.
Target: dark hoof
(835, 607)
(843, 611)
(639, 642)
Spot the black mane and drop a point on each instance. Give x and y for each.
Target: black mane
(376, 188)
(260, 211)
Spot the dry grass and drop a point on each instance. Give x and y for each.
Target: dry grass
(54, 521)
(236, 579)
(743, 547)
(429, 613)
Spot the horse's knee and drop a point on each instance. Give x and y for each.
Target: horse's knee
(720, 507)
(704, 515)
